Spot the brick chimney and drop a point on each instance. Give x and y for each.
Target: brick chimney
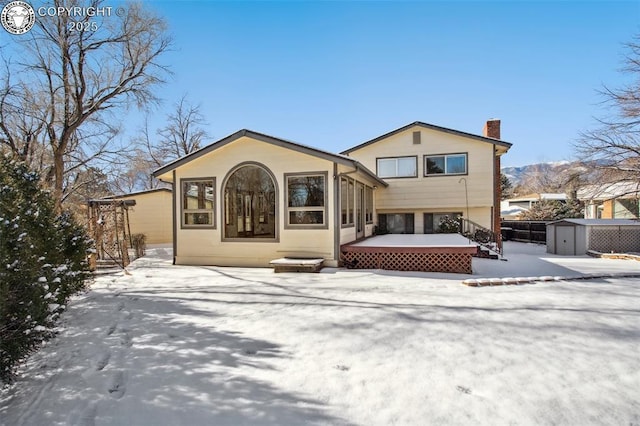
(492, 129)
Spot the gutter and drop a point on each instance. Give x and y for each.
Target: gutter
(336, 214)
(173, 216)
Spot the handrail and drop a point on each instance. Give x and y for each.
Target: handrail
(485, 237)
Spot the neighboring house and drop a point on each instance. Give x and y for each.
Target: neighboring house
(151, 214)
(512, 208)
(250, 198)
(618, 200)
(511, 213)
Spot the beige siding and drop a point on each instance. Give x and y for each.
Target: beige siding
(480, 215)
(151, 216)
(434, 193)
(205, 246)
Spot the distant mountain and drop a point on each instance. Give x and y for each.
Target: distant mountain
(559, 169)
(560, 176)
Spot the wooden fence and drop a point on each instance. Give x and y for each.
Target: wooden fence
(529, 231)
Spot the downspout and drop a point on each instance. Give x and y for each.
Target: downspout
(495, 225)
(336, 215)
(494, 192)
(173, 216)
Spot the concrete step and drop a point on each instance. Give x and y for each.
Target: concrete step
(484, 253)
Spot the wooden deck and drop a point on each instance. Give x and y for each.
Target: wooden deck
(427, 253)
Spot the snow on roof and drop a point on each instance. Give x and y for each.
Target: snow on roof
(131, 194)
(610, 190)
(512, 211)
(600, 222)
(553, 196)
(540, 196)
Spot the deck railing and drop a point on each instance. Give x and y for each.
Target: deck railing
(481, 235)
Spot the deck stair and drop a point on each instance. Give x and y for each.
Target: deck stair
(485, 253)
(490, 242)
(294, 264)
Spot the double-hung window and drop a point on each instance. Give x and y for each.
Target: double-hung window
(397, 167)
(306, 201)
(445, 164)
(198, 200)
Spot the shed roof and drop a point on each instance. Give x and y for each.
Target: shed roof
(598, 222)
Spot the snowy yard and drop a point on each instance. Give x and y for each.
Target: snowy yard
(184, 345)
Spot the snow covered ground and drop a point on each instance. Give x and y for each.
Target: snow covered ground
(185, 345)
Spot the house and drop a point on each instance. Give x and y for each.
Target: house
(512, 208)
(145, 215)
(250, 198)
(527, 201)
(617, 200)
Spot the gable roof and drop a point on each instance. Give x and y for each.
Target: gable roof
(431, 127)
(315, 152)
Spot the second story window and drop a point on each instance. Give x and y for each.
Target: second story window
(397, 167)
(446, 164)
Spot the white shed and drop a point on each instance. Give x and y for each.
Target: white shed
(574, 237)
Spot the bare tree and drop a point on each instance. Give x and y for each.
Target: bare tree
(184, 132)
(20, 128)
(142, 161)
(540, 178)
(73, 87)
(614, 145)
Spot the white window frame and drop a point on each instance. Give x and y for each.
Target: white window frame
(397, 173)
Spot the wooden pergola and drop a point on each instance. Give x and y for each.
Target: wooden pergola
(109, 227)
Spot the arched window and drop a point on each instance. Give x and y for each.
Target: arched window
(250, 203)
